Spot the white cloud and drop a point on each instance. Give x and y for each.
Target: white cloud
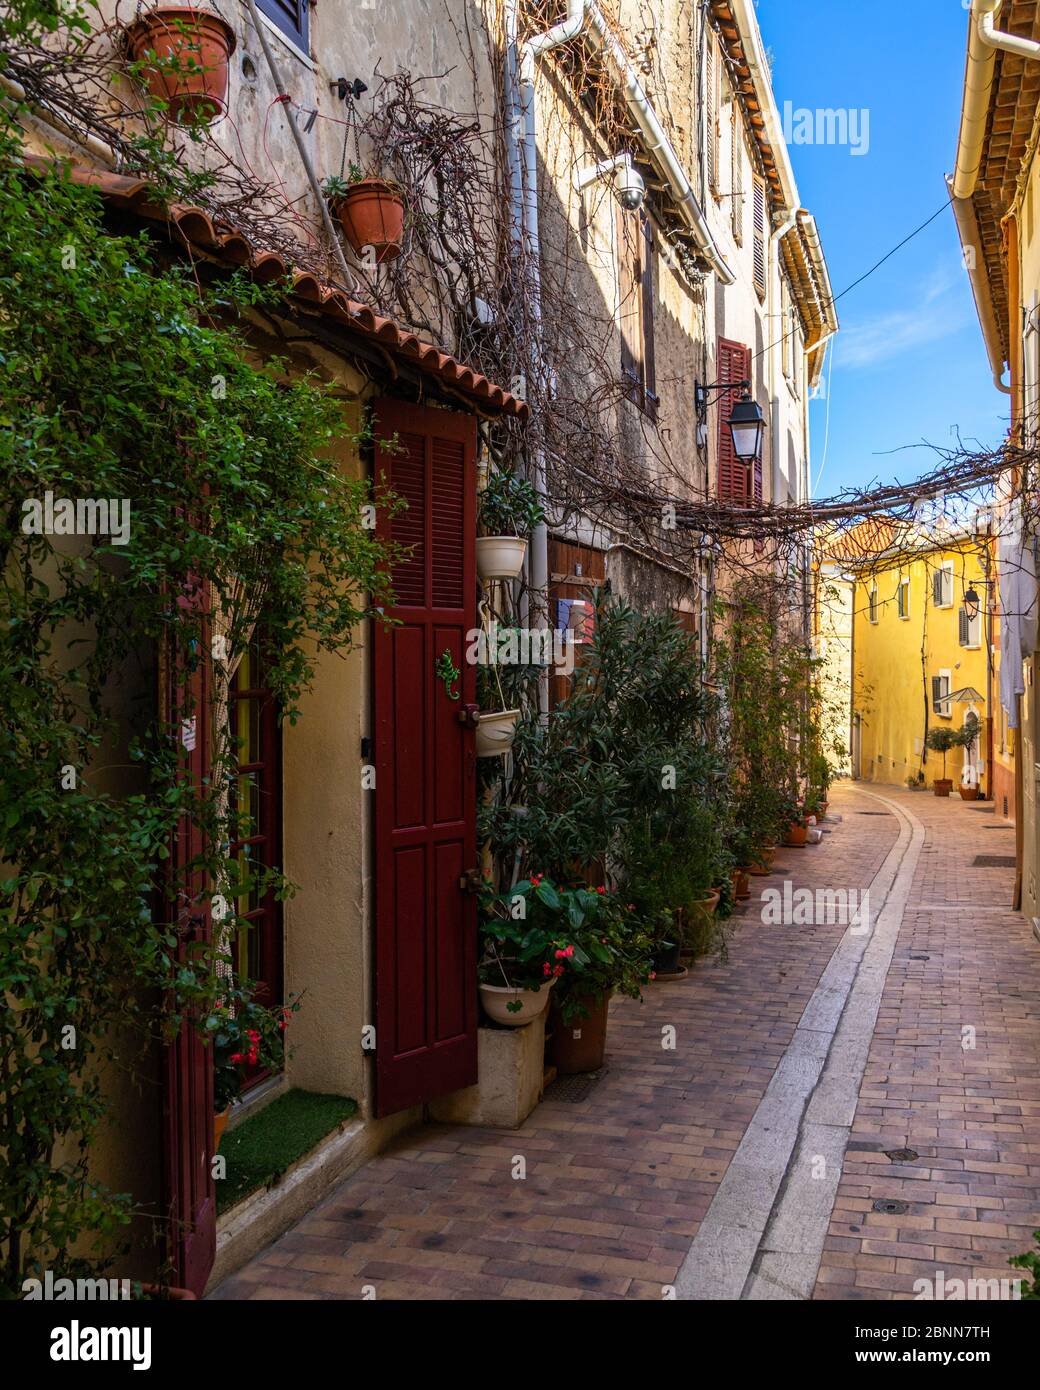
(941, 310)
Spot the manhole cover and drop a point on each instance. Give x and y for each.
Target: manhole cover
(573, 1089)
(994, 861)
(891, 1206)
(902, 1155)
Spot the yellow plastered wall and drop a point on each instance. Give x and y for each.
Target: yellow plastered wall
(896, 658)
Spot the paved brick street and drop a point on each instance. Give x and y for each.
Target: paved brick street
(619, 1186)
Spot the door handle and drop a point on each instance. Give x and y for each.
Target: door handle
(469, 716)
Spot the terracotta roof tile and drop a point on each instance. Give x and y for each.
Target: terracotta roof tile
(198, 230)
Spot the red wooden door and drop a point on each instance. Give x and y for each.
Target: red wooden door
(425, 762)
(189, 1191)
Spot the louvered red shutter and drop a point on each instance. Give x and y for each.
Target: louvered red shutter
(425, 764)
(734, 482)
(760, 211)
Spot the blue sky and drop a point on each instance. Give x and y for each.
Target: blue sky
(909, 364)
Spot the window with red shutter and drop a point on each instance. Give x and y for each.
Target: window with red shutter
(737, 481)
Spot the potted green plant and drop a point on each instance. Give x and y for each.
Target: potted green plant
(509, 511)
(496, 725)
(181, 54)
(744, 852)
(591, 944)
(247, 1037)
(371, 211)
(521, 933)
(940, 740)
(968, 785)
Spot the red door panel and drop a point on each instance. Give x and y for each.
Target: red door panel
(425, 831)
(188, 1065)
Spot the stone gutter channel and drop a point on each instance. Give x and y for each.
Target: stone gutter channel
(762, 1237)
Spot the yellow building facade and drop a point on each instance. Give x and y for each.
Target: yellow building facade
(921, 657)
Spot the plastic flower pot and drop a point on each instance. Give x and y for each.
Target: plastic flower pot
(497, 998)
(495, 733)
(581, 1045)
(219, 1126)
(500, 557)
(194, 46)
(666, 960)
(372, 214)
(942, 786)
(797, 835)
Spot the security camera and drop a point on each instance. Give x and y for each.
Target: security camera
(628, 182)
(631, 190)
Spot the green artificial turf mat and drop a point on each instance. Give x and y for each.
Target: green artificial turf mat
(261, 1148)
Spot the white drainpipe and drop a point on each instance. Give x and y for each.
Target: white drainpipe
(583, 17)
(984, 42)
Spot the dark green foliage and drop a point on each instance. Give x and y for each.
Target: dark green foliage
(116, 382)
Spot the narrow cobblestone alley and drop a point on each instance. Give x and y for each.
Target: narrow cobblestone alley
(699, 1169)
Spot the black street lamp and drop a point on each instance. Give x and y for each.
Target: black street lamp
(747, 424)
(971, 602)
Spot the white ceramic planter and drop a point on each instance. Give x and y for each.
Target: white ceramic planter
(500, 557)
(496, 998)
(495, 733)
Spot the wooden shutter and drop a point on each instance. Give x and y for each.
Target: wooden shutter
(425, 763)
(188, 1186)
(937, 588)
(964, 627)
(737, 174)
(760, 209)
(711, 107)
(937, 694)
(736, 481)
(290, 17)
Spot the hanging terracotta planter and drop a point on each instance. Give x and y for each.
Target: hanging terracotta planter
(195, 46)
(500, 557)
(371, 213)
(495, 733)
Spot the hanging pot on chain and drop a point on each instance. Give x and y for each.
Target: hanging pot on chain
(191, 49)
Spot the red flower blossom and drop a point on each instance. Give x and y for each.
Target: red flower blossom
(558, 970)
(601, 890)
(236, 1057)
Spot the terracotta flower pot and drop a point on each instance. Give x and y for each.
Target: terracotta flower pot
(581, 1045)
(741, 884)
(372, 214)
(497, 998)
(764, 863)
(219, 1126)
(797, 835)
(968, 793)
(194, 46)
(942, 786)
